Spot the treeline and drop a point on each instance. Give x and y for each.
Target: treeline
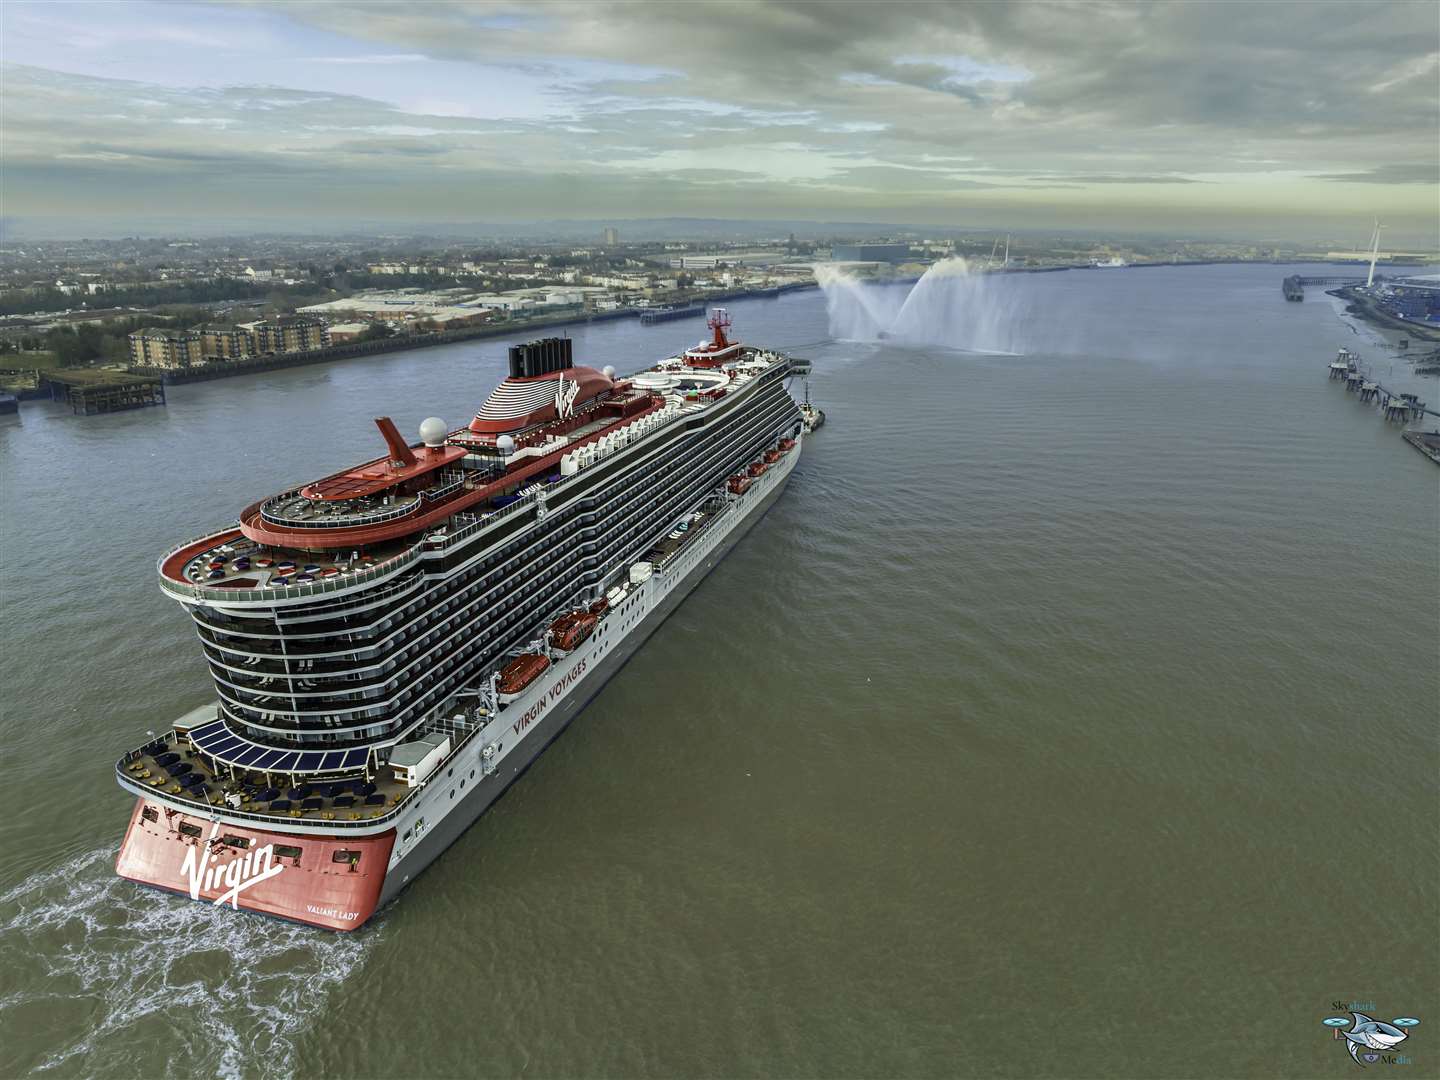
(196, 292)
(82, 345)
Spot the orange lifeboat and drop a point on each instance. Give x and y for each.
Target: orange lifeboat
(599, 607)
(772, 456)
(786, 445)
(739, 484)
(570, 631)
(520, 673)
(757, 468)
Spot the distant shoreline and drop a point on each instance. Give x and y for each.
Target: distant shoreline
(1362, 308)
(231, 369)
(404, 343)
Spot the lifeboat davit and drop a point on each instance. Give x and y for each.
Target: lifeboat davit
(570, 631)
(739, 484)
(519, 673)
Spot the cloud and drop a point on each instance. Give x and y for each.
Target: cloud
(372, 58)
(1111, 178)
(1418, 172)
(908, 108)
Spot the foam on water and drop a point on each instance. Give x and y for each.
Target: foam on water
(136, 977)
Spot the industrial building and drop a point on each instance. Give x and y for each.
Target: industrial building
(710, 260)
(893, 253)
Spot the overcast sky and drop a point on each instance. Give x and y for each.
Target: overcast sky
(1287, 119)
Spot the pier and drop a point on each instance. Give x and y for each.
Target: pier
(89, 393)
(1427, 442)
(1397, 407)
(650, 318)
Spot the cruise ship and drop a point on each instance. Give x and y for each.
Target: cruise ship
(393, 644)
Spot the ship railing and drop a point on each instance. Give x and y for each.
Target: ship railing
(494, 517)
(339, 521)
(344, 580)
(267, 821)
(462, 733)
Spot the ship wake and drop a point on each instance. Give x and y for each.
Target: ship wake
(117, 979)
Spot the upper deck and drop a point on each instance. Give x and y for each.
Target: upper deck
(373, 520)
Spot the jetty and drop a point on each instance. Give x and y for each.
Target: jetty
(668, 314)
(89, 392)
(1427, 442)
(1400, 407)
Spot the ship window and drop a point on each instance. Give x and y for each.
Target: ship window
(241, 842)
(452, 792)
(150, 814)
(343, 855)
(186, 829)
(284, 852)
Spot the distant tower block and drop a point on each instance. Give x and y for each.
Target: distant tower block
(611, 236)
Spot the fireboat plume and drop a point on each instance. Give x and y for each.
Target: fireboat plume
(950, 306)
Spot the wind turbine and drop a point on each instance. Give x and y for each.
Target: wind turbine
(1374, 252)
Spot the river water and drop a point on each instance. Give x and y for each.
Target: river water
(1073, 714)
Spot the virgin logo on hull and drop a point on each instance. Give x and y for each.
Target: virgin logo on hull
(202, 866)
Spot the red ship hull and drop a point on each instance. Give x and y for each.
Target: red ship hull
(327, 881)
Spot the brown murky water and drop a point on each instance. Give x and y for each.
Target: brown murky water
(1074, 714)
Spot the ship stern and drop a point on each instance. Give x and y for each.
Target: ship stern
(329, 881)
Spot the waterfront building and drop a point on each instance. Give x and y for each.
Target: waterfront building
(165, 348)
(290, 333)
(225, 342)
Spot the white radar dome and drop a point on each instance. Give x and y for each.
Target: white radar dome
(608, 371)
(505, 444)
(433, 431)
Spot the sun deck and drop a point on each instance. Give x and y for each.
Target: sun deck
(240, 563)
(171, 767)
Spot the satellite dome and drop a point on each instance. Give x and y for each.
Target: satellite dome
(433, 431)
(608, 371)
(505, 444)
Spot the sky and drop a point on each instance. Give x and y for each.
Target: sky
(1265, 119)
